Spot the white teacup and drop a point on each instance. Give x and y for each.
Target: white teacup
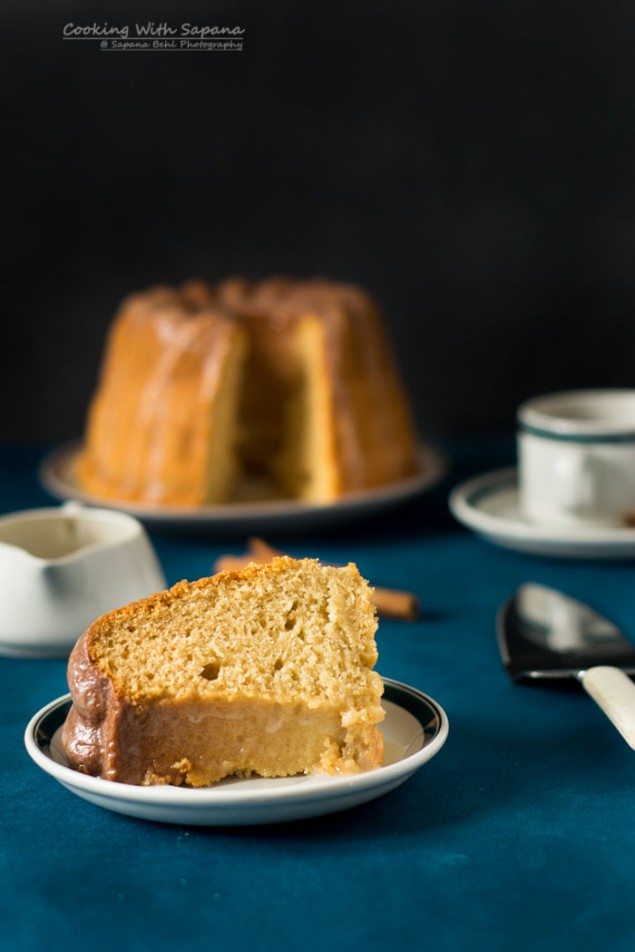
(577, 457)
(61, 568)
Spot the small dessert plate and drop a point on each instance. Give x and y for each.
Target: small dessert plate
(414, 730)
(58, 476)
(490, 505)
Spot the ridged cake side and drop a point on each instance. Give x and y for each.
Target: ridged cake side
(203, 380)
(161, 427)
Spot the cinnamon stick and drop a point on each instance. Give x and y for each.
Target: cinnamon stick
(392, 603)
(257, 551)
(261, 550)
(389, 602)
(232, 563)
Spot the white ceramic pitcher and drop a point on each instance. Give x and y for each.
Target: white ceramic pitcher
(61, 568)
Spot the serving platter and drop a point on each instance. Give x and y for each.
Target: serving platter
(58, 475)
(415, 729)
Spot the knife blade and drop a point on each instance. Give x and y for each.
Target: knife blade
(543, 633)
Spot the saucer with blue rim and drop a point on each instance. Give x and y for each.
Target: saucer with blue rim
(415, 729)
(490, 506)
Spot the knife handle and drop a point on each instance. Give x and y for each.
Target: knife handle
(614, 692)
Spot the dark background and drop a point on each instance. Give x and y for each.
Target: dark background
(472, 163)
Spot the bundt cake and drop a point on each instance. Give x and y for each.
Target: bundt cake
(284, 388)
(264, 671)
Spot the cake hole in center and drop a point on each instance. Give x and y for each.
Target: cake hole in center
(278, 664)
(211, 671)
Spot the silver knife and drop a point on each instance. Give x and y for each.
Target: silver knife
(543, 633)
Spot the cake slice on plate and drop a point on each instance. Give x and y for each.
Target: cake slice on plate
(265, 671)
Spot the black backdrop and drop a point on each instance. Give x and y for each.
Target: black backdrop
(471, 162)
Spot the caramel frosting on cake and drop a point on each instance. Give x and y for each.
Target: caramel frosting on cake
(205, 389)
(265, 671)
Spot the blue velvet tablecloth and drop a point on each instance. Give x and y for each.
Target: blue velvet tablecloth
(519, 835)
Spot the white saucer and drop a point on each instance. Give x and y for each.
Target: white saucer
(57, 474)
(414, 730)
(490, 505)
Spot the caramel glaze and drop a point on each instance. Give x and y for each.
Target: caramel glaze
(93, 704)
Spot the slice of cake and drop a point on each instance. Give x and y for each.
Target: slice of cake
(265, 671)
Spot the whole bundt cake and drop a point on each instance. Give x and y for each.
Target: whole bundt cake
(209, 394)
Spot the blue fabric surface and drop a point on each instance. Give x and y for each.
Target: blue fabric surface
(519, 835)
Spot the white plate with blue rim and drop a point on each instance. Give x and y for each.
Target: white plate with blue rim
(415, 729)
(490, 505)
(59, 477)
